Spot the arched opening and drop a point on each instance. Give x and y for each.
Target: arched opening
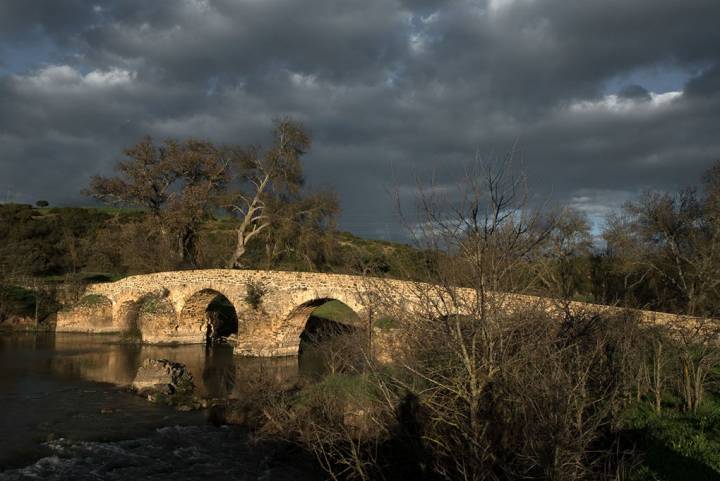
(222, 320)
(331, 339)
(329, 319)
(212, 315)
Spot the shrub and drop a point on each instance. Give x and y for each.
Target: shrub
(93, 300)
(255, 291)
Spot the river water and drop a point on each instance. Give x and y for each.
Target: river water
(66, 413)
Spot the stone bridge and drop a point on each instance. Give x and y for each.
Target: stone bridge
(170, 307)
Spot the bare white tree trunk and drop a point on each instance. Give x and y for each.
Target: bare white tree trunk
(253, 220)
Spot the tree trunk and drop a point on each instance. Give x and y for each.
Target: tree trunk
(657, 378)
(236, 262)
(186, 247)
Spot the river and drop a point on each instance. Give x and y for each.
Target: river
(66, 413)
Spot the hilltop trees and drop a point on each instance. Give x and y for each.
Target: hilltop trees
(303, 228)
(562, 263)
(176, 182)
(144, 179)
(183, 184)
(669, 246)
(664, 250)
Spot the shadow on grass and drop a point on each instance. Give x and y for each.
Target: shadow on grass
(660, 462)
(669, 465)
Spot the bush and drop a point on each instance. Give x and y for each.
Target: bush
(342, 388)
(254, 293)
(22, 302)
(93, 300)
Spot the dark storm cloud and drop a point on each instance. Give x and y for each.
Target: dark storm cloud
(392, 90)
(20, 21)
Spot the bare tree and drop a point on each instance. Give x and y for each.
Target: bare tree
(560, 262)
(261, 175)
(508, 387)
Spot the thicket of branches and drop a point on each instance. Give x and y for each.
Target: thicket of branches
(494, 386)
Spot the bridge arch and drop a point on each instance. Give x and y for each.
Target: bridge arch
(301, 325)
(207, 313)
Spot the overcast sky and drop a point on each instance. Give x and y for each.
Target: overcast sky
(605, 98)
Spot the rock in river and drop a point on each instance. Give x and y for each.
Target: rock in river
(163, 377)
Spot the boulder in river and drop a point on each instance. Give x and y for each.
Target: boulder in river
(160, 376)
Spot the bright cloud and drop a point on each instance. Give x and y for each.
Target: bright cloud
(64, 76)
(617, 104)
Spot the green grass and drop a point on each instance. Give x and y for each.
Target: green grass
(335, 311)
(343, 388)
(386, 323)
(339, 312)
(677, 446)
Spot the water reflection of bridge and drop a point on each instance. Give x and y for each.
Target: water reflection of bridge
(216, 371)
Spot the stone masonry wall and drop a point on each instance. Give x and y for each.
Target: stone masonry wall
(90, 317)
(273, 327)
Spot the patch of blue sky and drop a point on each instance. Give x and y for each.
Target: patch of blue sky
(19, 58)
(658, 79)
